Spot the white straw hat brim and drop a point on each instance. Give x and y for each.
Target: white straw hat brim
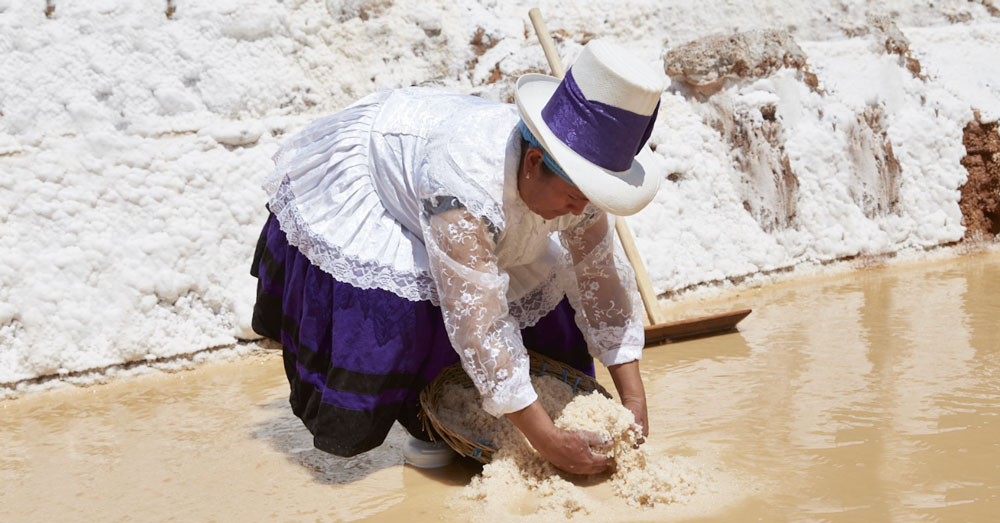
(619, 193)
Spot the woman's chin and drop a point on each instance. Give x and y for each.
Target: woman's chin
(549, 215)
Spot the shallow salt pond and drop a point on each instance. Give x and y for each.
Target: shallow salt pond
(868, 396)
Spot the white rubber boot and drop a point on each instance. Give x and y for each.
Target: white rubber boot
(426, 455)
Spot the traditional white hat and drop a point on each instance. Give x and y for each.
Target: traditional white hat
(595, 124)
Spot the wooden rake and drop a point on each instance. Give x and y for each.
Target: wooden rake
(658, 330)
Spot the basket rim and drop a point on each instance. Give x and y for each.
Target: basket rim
(479, 450)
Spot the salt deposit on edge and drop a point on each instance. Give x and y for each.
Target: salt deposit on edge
(131, 145)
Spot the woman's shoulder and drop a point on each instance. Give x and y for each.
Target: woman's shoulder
(467, 156)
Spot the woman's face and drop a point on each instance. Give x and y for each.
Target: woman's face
(547, 194)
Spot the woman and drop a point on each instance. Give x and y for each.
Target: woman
(416, 228)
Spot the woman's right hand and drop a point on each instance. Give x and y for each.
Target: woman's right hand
(573, 451)
(569, 450)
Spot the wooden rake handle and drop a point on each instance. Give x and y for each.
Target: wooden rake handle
(656, 315)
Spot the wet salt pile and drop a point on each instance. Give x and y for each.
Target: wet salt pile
(132, 143)
(519, 481)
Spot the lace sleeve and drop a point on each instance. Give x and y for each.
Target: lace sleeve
(604, 292)
(472, 292)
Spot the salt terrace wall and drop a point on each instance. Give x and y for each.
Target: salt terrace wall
(133, 136)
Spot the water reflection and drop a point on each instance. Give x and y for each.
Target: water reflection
(866, 396)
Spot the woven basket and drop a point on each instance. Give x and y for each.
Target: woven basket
(454, 374)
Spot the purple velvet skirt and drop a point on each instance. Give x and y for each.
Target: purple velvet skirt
(357, 359)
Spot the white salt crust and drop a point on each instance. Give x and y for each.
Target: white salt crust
(132, 145)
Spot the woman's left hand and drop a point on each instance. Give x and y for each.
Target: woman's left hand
(638, 407)
(628, 381)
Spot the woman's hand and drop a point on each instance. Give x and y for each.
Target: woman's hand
(628, 381)
(573, 451)
(638, 407)
(569, 450)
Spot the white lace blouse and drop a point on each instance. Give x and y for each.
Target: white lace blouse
(414, 191)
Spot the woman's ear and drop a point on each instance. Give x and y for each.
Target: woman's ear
(533, 159)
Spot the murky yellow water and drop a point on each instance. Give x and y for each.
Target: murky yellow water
(873, 396)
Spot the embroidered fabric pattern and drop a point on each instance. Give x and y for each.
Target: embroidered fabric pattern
(472, 289)
(536, 304)
(524, 240)
(414, 286)
(603, 291)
